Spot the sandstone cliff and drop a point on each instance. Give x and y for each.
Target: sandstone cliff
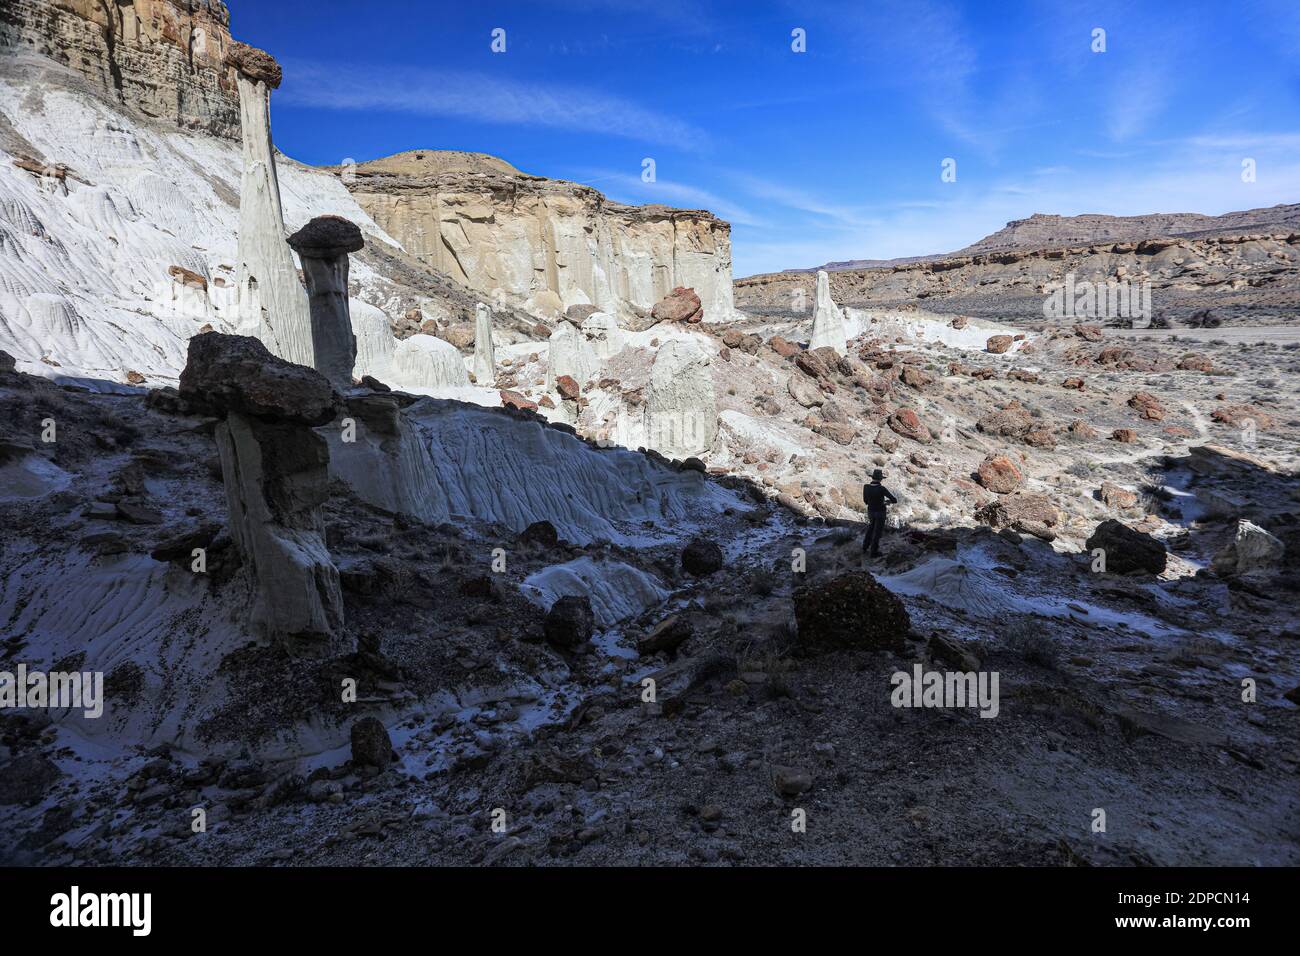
(164, 58)
(550, 243)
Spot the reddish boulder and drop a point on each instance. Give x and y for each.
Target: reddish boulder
(1147, 405)
(680, 305)
(512, 399)
(907, 423)
(999, 474)
(568, 387)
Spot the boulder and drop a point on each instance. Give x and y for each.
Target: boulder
(236, 373)
(568, 388)
(783, 348)
(805, 392)
(1022, 511)
(853, 610)
(540, 532)
(680, 305)
(997, 344)
(999, 474)
(1012, 420)
(701, 557)
(1125, 436)
(1251, 549)
(668, 635)
(371, 745)
(1127, 549)
(1240, 415)
(570, 622)
(1121, 499)
(512, 399)
(1194, 362)
(1081, 430)
(907, 423)
(1147, 405)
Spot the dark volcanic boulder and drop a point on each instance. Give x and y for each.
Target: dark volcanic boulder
(853, 610)
(236, 373)
(701, 557)
(1127, 549)
(371, 746)
(570, 621)
(540, 532)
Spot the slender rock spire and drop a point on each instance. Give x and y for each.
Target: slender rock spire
(485, 362)
(323, 245)
(272, 305)
(828, 320)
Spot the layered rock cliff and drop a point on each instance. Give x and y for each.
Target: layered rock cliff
(550, 243)
(165, 58)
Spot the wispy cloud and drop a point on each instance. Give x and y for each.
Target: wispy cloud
(478, 96)
(630, 188)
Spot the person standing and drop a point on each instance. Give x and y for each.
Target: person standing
(877, 498)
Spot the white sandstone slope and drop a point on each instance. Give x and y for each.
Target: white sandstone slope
(87, 289)
(828, 321)
(617, 590)
(485, 464)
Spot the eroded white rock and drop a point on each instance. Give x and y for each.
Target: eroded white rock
(425, 361)
(273, 305)
(485, 362)
(603, 334)
(681, 406)
(828, 321)
(569, 353)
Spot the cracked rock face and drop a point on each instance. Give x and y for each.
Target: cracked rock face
(555, 244)
(276, 473)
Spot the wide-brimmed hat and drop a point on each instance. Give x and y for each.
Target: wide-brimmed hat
(877, 475)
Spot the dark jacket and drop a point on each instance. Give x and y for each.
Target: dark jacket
(876, 496)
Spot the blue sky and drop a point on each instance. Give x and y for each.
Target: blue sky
(833, 153)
